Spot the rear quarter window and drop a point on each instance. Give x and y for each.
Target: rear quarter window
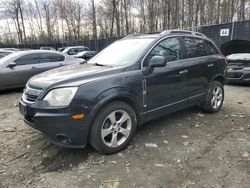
(51, 57)
(211, 49)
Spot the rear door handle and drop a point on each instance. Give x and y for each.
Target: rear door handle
(211, 65)
(183, 72)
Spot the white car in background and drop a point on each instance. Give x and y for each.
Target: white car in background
(73, 50)
(238, 68)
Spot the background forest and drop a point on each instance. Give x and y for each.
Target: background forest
(36, 21)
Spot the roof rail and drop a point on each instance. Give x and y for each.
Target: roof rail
(177, 31)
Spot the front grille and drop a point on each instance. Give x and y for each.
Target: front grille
(31, 98)
(247, 76)
(234, 75)
(30, 95)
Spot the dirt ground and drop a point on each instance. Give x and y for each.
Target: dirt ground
(188, 149)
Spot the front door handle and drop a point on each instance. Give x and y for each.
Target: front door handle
(211, 65)
(183, 72)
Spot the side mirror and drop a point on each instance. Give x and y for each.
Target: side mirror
(71, 53)
(156, 61)
(11, 65)
(83, 61)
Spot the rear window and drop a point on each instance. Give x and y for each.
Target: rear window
(211, 49)
(51, 57)
(194, 47)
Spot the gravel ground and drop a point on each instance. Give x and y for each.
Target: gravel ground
(185, 149)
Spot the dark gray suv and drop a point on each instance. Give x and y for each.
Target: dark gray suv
(134, 80)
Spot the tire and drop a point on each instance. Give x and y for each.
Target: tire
(214, 98)
(113, 128)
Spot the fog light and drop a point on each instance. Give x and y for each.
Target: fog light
(78, 116)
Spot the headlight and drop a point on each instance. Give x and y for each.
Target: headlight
(60, 96)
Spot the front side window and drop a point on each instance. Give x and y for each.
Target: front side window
(194, 47)
(27, 59)
(169, 48)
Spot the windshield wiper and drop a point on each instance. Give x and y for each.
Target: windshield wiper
(98, 64)
(102, 65)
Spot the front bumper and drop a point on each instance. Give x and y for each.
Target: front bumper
(238, 76)
(57, 124)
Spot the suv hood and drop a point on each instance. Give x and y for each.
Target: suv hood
(238, 64)
(79, 74)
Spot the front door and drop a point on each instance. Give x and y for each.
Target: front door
(163, 85)
(26, 67)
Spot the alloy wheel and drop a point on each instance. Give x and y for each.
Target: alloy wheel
(217, 97)
(116, 128)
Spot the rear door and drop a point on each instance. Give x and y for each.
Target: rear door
(215, 60)
(26, 67)
(194, 70)
(50, 61)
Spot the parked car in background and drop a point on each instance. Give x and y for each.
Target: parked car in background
(47, 48)
(86, 55)
(17, 68)
(4, 52)
(103, 101)
(60, 49)
(11, 49)
(238, 68)
(73, 50)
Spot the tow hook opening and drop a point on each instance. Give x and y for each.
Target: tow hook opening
(63, 139)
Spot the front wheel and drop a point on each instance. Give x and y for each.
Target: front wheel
(113, 128)
(214, 98)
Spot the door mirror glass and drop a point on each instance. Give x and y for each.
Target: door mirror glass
(11, 65)
(157, 61)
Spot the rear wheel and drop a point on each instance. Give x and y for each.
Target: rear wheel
(113, 128)
(214, 98)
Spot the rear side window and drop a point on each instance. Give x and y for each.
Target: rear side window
(212, 50)
(85, 49)
(194, 47)
(27, 59)
(51, 57)
(169, 48)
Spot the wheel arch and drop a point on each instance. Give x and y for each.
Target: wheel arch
(111, 96)
(219, 78)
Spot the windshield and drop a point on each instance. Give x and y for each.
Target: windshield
(122, 52)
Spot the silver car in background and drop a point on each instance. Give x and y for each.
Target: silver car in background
(4, 52)
(73, 50)
(17, 68)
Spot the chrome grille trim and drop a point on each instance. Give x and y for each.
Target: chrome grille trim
(30, 95)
